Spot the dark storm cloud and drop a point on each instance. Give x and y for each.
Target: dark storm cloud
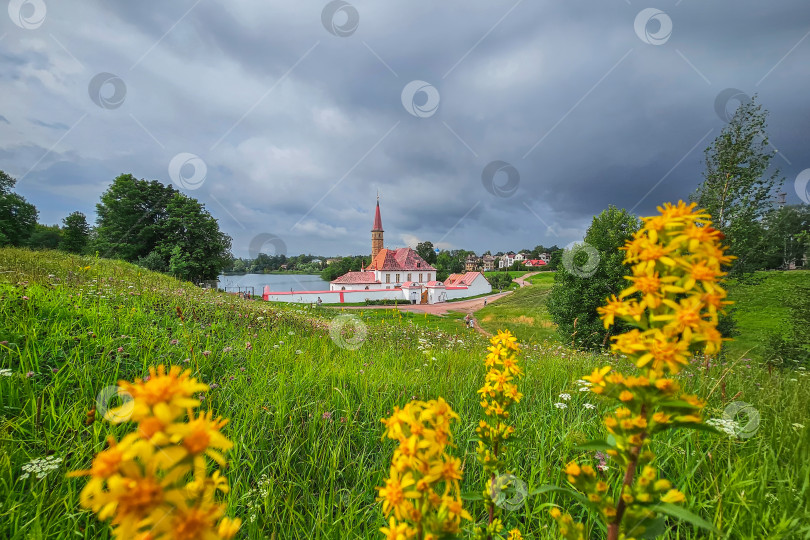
(299, 128)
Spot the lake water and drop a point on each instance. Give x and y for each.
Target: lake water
(277, 282)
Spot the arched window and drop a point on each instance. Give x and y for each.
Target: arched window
(366, 287)
(343, 288)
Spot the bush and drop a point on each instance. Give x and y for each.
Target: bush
(588, 274)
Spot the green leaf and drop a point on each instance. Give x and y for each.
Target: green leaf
(698, 426)
(546, 488)
(472, 496)
(596, 444)
(684, 515)
(678, 404)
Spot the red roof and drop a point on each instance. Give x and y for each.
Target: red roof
(377, 219)
(355, 277)
(535, 262)
(462, 279)
(402, 259)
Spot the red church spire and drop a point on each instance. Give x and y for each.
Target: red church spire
(377, 218)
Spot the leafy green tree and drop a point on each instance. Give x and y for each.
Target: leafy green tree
(738, 188)
(579, 288)
(203, 249)
(18, 217)
(75, 234)
(426, 251)
(131, 218)
(45, 237)
(145, 221)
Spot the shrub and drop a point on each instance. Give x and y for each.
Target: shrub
(587, 274)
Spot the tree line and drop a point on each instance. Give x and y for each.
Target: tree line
(139, 221)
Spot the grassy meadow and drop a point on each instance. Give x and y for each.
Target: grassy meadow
(305, 412)
(523, 312)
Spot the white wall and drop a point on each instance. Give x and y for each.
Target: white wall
(333, 297)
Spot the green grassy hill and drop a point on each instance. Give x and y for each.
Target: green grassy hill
(523, 312)
(305, 412)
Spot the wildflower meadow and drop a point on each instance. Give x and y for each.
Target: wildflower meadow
(133, 405)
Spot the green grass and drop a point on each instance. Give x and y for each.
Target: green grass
(63, 327)
(512, 273)
(523, 312)
(761, 309)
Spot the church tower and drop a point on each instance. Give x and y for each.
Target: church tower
(376, 232)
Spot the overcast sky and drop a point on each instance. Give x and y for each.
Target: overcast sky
(484, 125)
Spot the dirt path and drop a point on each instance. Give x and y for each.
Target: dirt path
(522, 279)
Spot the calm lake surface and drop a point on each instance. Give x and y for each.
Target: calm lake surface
(277, 282)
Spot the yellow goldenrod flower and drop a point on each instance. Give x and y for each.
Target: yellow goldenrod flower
(673, 496)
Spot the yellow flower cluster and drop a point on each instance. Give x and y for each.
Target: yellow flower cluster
(498, 395)
(154, 483)
(675, 294)
(673, 301)
(422, 490)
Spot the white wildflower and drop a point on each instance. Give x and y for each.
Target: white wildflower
(565, 397)
(589, 406)
(40, 467)
(560, 405)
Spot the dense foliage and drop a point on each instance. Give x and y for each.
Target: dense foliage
(579, 288)
(18, 217)
(161, 229)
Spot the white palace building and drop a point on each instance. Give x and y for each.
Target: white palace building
(394, 274)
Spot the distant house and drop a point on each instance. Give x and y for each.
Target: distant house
(332, 261)
(509, 259)
(488, 263)
(472, 262)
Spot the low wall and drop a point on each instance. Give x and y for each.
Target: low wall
(335, 297)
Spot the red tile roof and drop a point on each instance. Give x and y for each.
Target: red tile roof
(402, 259)
(377, 219)
(462, 279)
(356, 277)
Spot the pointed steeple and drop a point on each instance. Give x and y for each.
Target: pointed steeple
(377, 218)
(376, 232)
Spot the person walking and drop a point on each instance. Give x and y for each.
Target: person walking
(319, 302)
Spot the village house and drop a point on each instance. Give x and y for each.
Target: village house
(472, 262)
